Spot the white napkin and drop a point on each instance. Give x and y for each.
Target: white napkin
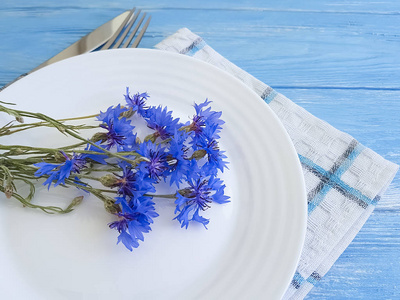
(344, 179)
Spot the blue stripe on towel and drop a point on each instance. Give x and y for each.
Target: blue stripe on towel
(299, 280)
(332, 180)
(314, 278)
(271, 96)
(317, 195)
(196, 47)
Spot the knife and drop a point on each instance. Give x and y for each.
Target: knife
(86, 44)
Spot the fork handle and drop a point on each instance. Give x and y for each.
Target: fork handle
(16, 79)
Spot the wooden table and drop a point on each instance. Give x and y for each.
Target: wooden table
(338, 59)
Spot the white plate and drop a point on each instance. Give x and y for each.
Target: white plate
(253, 243)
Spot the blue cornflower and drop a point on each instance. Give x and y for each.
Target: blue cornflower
(178, 163)
(133, 183)
(210, 132)
(119, 130)
(214, 156)
(161, 121)
(137, 102)
(200, 193)
(205, 117)
(134, 219)
(59, 172)
(113, 112)
(157, 165)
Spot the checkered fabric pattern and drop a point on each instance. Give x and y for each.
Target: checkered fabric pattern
(344, 179)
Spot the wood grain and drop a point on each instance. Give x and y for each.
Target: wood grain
(338, 59)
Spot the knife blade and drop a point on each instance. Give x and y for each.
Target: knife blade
(86, 44)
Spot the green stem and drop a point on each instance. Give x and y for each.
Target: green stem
(107, 191)
(168, 196)
(37, 124)
(73, 146)
(54, 150)
(88, 177)
(78, 118)
(46, 209)
(30, 126)
(28, 148)
(66, 130)
(24, 149)
(109, 153)
(88, 171)
(25, 161)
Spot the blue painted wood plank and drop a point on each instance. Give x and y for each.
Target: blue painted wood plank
(338, 59)
(308, 49)
(368, 269)
(367, 6)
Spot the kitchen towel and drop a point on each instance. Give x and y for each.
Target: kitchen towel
(344, 179)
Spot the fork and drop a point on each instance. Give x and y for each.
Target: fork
(114, 42)
(121, 34)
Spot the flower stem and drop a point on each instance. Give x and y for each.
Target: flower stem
(65, 129)
(88, 177)
(78, 118)
(168, 196)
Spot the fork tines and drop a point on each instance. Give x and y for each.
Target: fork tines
(121, 35)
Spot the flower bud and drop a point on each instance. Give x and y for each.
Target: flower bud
(19, 119)
(198, 154)
(8, 191)
(76, 201)
(109, 180)
(111, 207)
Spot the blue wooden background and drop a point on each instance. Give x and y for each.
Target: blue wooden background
(338, 59)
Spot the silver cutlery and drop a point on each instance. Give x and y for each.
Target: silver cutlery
(108, 36)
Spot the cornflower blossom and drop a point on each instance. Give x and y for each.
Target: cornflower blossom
(214, 156)
(134, 219)
(113, 112)
(177, 160)
(119, 130)
(58, 173)
(205, 127)
(207, 141)
(161, 121)
(204, 118)
(198, 196)
(133, 184)
(157, 165)
(137, 102)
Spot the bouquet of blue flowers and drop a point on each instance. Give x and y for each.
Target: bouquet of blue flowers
(187, 156)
